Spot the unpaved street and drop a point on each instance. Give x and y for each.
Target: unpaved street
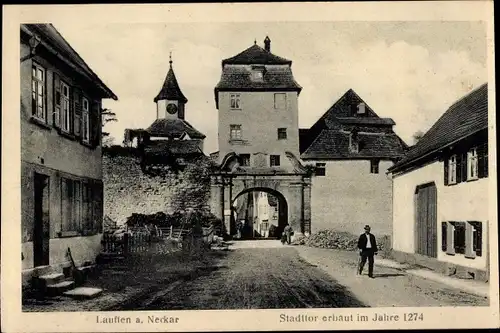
(265, 275)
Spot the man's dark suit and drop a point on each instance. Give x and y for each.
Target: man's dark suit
(367, 253)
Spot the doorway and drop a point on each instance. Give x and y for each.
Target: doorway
(426, 220)
(41, 232)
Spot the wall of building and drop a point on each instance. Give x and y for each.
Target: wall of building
(467, 201)
(45, 151)
(348, 197)
(259, 124)
(38, 142)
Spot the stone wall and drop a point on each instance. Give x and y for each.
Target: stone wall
(128, 190)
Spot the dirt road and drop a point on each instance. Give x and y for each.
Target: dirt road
(269, 275)
(259, 278)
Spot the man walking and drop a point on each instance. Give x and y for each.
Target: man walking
(288, 233)
(367, 246)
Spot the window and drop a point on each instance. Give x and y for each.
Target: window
(274, 160)
(320, 169)
(452, 170)
(280, 101)
(235, 102)
(444, 236)
(354, 141)
(374, 166)
(361, 108)
(257, 75)
(71, 205)
(472, 164)
(65, 108)
(245, 159)
(281, 133)
(85, 120)
(38, 93)
(462, 238)
(235, 132)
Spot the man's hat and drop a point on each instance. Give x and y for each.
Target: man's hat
(367, 227)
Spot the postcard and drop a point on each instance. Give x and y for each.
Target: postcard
(236, 167)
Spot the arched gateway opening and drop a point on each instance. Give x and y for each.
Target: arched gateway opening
(289, 185)
(258, 213)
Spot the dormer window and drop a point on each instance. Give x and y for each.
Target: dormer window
(361, 109)
(257, 75)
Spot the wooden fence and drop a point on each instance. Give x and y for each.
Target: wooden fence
(159, 241)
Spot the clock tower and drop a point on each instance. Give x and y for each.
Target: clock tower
(170, 101)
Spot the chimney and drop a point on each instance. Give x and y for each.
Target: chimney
(267, 44)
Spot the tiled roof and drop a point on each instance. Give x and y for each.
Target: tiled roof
(239, 79)
(173, 147)
(173, 128)
(465, 117)
(256, 55)
(55, 43)
(170, 89)
(333, 144)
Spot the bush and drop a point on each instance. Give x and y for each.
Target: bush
(331, 239)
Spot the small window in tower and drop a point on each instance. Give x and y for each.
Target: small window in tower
(374, 166)
(235, 102)
(245, 159)
(281, 133)
(235, 132)
(274, 160)
(280, 101)
(361, 109)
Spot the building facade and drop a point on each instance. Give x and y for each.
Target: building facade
(441, 202)
(61, 176)
(257, 99)
(352, 149)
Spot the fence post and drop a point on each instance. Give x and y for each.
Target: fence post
(125, 244)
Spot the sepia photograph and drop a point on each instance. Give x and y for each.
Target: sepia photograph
(341, 165)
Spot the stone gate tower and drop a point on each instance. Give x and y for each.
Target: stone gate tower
(257, 99)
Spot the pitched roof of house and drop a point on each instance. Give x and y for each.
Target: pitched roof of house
(466, 116)
(333, 144)
(170, 89)
(327, 139)
(256, 55)
(172, 147)
(55, 43)
(173, 128)
(239, 79)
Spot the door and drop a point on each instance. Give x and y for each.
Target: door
(426, 220)
(41, 234)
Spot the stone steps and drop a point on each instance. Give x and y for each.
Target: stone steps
(83, 293)
(59, 288)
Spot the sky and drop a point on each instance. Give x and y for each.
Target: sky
(408, 71)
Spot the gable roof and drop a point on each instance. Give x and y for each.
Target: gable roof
(256, 55)
(465, 117)
(173, 128)
(55, 43)
(170, 89)
(328, 138)
(333, 144)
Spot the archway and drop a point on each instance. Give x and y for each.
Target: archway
(258, 216)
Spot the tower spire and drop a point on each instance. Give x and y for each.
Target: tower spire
(170, 61)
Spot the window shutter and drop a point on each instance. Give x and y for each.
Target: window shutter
(56, 115)
(444, 236)
(469, 246)
(464, 167)
(459, 167)
(477, 241)
(98, 206)
(450, 249)
(446, 166)
(95, 124)
(482, 160)
(77, 107)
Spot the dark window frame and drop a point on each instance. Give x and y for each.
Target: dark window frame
(274, 160)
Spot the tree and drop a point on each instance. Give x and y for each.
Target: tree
(107, 115)
(417, 136)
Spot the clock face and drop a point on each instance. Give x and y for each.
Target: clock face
(171, 108)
